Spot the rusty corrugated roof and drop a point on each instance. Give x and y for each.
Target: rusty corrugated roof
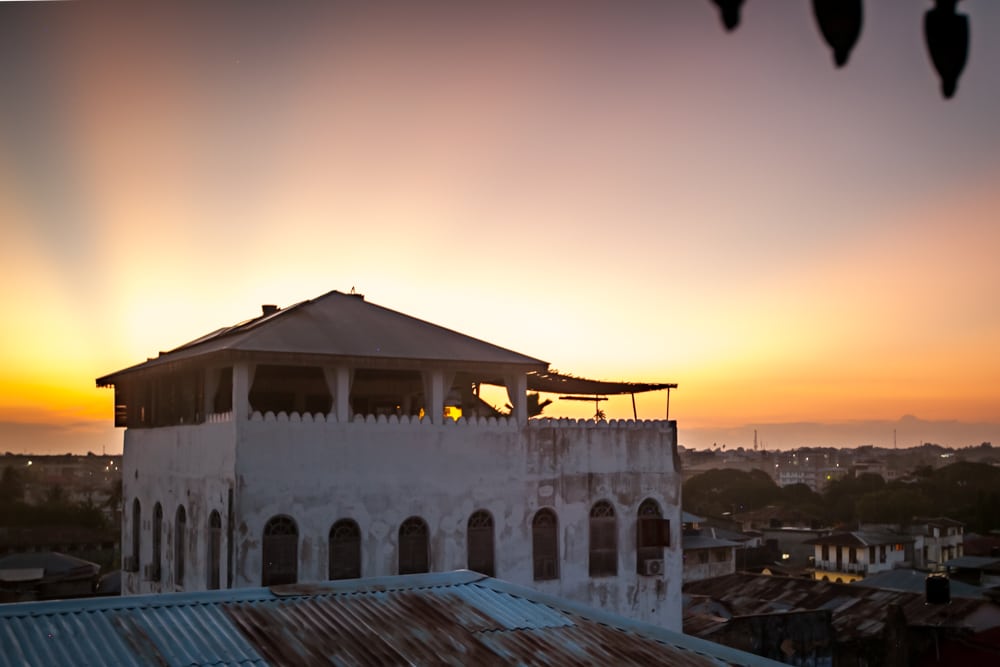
(456, 618)
(857, 611)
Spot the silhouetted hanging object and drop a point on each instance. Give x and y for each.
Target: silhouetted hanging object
(947, 35)
(840, 22)
(729, 12)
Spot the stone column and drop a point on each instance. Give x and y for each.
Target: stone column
(434, 391)
(517, 393)
(242, 381)
(342, 393)
(211, 386)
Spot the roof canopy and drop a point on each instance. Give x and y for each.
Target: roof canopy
(555, 383)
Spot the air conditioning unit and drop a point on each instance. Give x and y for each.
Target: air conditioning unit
(652, 567)
(151, 572)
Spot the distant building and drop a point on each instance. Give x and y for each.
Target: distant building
(794, 545)
(846, 557)
(942, 540)
(46, 575)
(816, 478)
(809, 622)
(94, 544)
(336, 439)
(705, 555)
(975, 570)
(935, 540)
(795, 475)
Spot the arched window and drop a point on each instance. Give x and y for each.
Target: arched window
(652, 534)
(545, 544)
(413, 548)
(480, 543)
(603, 540)
(180, 531)
(345, 550)
(157, 541)
(133, 566)
(214, 549)
(280, 561)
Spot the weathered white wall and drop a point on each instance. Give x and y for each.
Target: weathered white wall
(189, 465)
(378, 473)
(695, 570)
(864, 565)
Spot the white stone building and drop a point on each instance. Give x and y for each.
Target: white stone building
(312, 443)
(847, 557)
(943, 540)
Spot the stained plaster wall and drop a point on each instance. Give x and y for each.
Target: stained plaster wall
(695, 570)
(379, 472)
(190, 465)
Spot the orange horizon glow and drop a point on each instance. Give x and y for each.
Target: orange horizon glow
(627, 193)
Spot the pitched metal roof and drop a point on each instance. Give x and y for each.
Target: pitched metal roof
(704, 541)
(860, 539)
(341, 325)
(456, 618)
(52, 564)
(938, 521)
(974, 562)
(914, 581)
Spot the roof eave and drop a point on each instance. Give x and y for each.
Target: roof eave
(490, 368)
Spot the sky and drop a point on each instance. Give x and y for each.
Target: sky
(624, 190)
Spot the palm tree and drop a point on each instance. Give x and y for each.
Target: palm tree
(535, 405)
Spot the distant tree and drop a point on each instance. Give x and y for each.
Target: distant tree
(727, 490)
(841, 496)
(966, 491)
(11, 485)
(798, 495)
(534, 403)
(114, 501)
(55, 496)
(896, 505)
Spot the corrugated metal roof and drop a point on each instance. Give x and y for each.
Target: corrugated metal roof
(704, 541)
(342, 325)
(457, 618)
(857, 611)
